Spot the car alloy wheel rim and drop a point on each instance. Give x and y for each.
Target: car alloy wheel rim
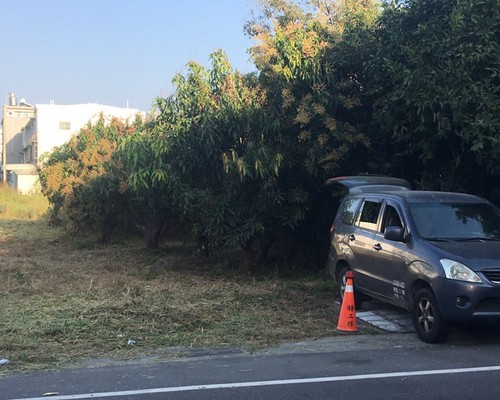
(425, 315)
(343, 283)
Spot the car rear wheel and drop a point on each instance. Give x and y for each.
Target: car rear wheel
(342, 282)
(427, 320)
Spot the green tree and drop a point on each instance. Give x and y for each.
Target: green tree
(437, 78)
(153, 185)
(84, 181)
(311, 59)
(222, 149)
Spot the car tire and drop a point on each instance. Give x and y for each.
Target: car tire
(342, 280)
(427, 320)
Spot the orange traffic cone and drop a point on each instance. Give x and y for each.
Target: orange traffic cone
(347, 318)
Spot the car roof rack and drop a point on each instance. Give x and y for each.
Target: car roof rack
(358, 181)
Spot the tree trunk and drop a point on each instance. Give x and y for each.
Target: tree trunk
(257, 250)
(153, 232)
(108, 226)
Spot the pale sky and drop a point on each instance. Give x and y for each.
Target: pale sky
(113, 51)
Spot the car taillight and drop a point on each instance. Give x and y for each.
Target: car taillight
(332, 228)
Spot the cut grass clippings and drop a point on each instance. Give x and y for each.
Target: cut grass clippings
(65, 299)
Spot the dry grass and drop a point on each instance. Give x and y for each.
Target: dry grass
(64, 299)
(15, 206)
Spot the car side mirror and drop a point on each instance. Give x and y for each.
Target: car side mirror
(394, 233)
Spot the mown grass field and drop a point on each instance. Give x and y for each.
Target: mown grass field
(65, 299)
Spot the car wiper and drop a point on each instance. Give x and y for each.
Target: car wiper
(478, 238)
(438, 239)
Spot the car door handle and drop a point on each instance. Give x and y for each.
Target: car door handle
(352, 237)
(377, 246)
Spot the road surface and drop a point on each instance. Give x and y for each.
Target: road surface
(385, 366)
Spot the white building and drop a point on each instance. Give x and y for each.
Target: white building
(53, 125)
(14, 118)
(44, 127)
(23, 178)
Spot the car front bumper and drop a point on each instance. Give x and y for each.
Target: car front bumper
(463, 301)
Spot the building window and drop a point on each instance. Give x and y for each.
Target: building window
(65, 125)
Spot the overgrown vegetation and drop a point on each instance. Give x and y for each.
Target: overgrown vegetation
(238, 162)
(65, 298)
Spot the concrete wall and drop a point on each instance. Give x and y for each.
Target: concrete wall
(25, 183)
(14, 119)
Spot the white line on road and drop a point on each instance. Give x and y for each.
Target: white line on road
(235, 385)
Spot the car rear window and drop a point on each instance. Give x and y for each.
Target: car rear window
(350, 209)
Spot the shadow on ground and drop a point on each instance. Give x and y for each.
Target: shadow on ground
(393, 319)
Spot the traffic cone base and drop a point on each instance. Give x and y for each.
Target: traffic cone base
(347, 318)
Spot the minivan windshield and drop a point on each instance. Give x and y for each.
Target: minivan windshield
(456, 221)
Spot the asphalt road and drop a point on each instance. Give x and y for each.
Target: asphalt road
(385, 366)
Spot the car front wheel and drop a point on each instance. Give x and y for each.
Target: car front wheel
(427, 320)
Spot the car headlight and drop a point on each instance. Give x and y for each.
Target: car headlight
(459, 272)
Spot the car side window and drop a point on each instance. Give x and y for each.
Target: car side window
(369, 214)
(391, 218)
(350, 209)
